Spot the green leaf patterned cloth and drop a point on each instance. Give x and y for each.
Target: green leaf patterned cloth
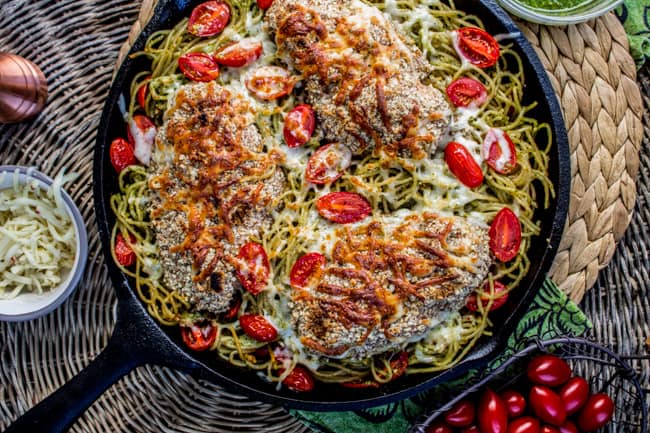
(635, 16)
(551, 314)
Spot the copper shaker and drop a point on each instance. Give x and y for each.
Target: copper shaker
(23, 88)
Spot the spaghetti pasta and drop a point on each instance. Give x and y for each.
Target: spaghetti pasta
(417, 185)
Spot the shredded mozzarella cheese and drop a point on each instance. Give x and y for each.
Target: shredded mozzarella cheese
(37, 237)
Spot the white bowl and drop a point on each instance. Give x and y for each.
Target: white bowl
(28, 306)
(585, 11)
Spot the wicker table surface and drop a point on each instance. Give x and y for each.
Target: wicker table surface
(37, 357)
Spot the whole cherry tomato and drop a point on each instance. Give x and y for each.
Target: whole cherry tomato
(253, 267)
(199, 336)
(343, 207)
(467, 92)
(307, 268)
(548, 370)
(596, 412)
(574, 394)
(208, 18)
(328, 163)
(499, 151)
(498, 292)
(525, 424)
(123, 252)
(549, 429)
(568, 427)
(299, 380)
(121, 154)
(270, 82)
(299, 125)
(477, 46)
(257, 327)
(470, 429)
(547, 405)
(198, 66)
(492, 413)
(240, 53)
(143, 91)
(505, 235)
(264, 4)
(461, 414)
(515, 402)
(438, 427)
(463, 165)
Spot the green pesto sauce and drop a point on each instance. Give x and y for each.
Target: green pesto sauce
(552, 4)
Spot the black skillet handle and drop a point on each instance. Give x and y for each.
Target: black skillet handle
(129, 346)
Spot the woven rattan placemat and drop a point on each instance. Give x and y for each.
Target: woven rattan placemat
(594, 77)
(76, 42)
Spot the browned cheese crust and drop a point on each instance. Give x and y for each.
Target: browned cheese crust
(213, 189)
(364, 80)
(389, 283)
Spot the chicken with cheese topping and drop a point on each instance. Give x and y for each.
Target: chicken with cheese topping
(214, 188)
(388, 282)
(363, 79)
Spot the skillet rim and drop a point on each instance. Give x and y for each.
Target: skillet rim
(176, 356)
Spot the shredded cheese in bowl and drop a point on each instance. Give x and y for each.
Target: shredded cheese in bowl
(40, 231)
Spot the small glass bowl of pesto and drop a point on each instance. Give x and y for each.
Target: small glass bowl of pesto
(558, 12)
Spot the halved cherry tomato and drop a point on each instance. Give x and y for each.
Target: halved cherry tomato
(499, 151)
(240, 53)
(299, 380)
(360, 385)
(307, 268)
(198, 66)
(461, 414)
(492, 413)
(547, 405)
(209, 19)
(525, 424)
(253, 267)
(596, 412)
(299, 125)
(463, 165)
(143, 91)
(270, 82)
(141, 133)
(515, 402)
(499, 300)
(232, 311)
(257, 327)
(123, 252)
(343, 207)
(568, 427)
(548, 370)
(121, 154)
(505, 235)
(438, 427)
(328, 163)
(574, 394)
(399, 364)
(264, 4)
(477, 46)
(199, 337)
(467, 92)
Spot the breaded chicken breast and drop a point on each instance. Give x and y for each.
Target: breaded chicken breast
(214, 188)
(388, 282)
(363, 79)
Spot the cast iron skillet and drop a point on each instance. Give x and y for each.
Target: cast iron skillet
(138, 339)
